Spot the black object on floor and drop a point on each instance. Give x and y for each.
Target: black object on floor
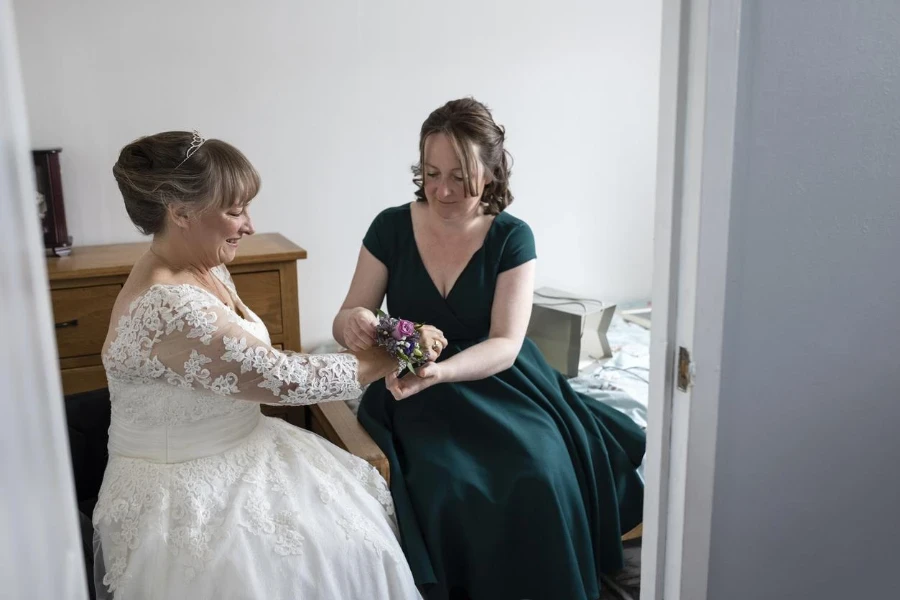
(87, 417)
(626, 584)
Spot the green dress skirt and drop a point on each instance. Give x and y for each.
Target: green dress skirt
(508, 487)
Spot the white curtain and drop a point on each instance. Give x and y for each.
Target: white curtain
(40, 543)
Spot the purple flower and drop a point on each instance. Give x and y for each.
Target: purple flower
(403, 329)
(400, 338)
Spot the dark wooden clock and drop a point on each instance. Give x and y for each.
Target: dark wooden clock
(57, 240)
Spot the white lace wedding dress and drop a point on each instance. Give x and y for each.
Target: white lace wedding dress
(204, 497)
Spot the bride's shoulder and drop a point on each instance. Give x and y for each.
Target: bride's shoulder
(163, 296)
(152, 286)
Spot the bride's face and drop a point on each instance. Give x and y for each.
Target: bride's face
(443, 182)
(215, 233)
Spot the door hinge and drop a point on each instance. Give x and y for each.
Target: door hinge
(685, 369)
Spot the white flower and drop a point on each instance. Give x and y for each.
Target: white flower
(194, 365)
(261, 361)
(235, 350)
(272, 383)
(202, 325)
(225, 384)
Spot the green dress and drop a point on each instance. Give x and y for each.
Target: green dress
(509, 487)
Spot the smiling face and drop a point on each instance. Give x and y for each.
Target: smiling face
(212, 223)
(191, 196)
(451, 189)
(463, 164)
(215, 233)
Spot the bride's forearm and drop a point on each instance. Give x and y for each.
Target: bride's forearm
(482, 360)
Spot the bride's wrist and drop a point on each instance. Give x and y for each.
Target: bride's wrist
(447, 371)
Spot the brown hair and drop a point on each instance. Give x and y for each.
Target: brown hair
(153, 174)
(470, 126)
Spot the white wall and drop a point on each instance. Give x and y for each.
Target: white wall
(807, 497)
(326, 98)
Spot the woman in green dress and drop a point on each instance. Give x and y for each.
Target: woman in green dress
(507, 483)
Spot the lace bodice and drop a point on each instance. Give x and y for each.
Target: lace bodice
(198, 482)
(182, 362)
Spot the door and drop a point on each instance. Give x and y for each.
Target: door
(698, 87)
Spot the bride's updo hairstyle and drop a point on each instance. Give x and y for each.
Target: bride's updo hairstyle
(180, 167)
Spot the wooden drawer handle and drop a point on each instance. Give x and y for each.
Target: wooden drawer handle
(72, 323)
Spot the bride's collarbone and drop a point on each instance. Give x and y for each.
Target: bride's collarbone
(221, 296)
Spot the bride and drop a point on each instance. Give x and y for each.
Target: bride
(203, 497)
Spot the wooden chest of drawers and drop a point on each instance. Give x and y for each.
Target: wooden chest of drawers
(84, 287)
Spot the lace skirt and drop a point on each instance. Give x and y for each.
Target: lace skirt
(284, 515)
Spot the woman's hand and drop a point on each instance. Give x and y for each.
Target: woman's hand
(432, 342)
(408, 385)
(359, 332)
(374, 364)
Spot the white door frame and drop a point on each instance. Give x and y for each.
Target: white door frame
(40, 541)
(698, 94)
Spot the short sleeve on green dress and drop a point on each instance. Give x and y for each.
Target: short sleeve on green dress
(519, 248)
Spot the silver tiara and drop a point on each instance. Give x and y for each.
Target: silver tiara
(196, 142)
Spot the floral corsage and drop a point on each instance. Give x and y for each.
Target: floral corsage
(401, 338)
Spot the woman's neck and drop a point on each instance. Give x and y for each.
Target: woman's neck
(454, 226)
(177, 256)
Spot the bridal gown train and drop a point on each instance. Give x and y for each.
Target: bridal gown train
(203, 496)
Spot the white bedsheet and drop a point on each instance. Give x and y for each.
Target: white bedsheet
(620, 381)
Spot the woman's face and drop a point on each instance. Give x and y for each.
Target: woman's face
(442, 178)
(215, 233)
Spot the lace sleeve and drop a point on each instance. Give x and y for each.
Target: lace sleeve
(182, 334)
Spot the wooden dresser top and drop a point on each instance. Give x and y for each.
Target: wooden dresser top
(117, 259)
